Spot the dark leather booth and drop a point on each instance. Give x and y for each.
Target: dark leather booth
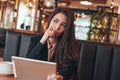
(98, 61)
(2, 41)
(16, 44)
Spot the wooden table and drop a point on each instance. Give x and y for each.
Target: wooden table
(7, 77)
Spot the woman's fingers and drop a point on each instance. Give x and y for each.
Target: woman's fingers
(51, 32)
(55, 77)
(51, 77)
(59, 77)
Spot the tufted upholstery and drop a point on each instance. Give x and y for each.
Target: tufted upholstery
(2, 38)
(16, 44)
(99, 61)
(2, 41)
(12, 43)
(24, 44)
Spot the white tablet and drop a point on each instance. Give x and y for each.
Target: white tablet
(30, 69)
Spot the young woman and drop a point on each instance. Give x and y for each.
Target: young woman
(58, 45)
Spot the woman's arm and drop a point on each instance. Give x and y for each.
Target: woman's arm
(35, 48)
(35, 51)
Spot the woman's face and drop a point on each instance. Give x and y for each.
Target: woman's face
(58, 24)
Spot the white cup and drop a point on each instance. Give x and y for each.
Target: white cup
(6, 67)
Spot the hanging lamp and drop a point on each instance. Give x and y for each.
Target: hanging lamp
(85, 2)
(48, 4)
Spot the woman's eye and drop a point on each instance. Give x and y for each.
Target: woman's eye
(63, 25)
(55, 21)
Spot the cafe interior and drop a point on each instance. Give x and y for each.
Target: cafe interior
(96, 24)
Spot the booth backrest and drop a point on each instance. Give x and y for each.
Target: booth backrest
(12, 43)
(99, 61)
(2, 38)
(24, 44)
(2, 41)
(16, 44)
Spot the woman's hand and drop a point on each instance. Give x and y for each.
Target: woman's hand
(49, 33)
(55, 77)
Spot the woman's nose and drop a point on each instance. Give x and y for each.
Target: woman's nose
(57, 27)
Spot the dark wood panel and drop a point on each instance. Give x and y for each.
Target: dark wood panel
(94, 1)
(99, 1)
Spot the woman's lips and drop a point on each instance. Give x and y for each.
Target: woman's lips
(55, 33)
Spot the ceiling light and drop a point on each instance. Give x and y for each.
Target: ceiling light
(111, 7)
(4, 0)
(48, 3)
(85, 2)
(112, 3)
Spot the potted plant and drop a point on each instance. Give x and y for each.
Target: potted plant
(99, 29)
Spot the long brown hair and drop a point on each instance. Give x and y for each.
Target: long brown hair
(66, 46)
